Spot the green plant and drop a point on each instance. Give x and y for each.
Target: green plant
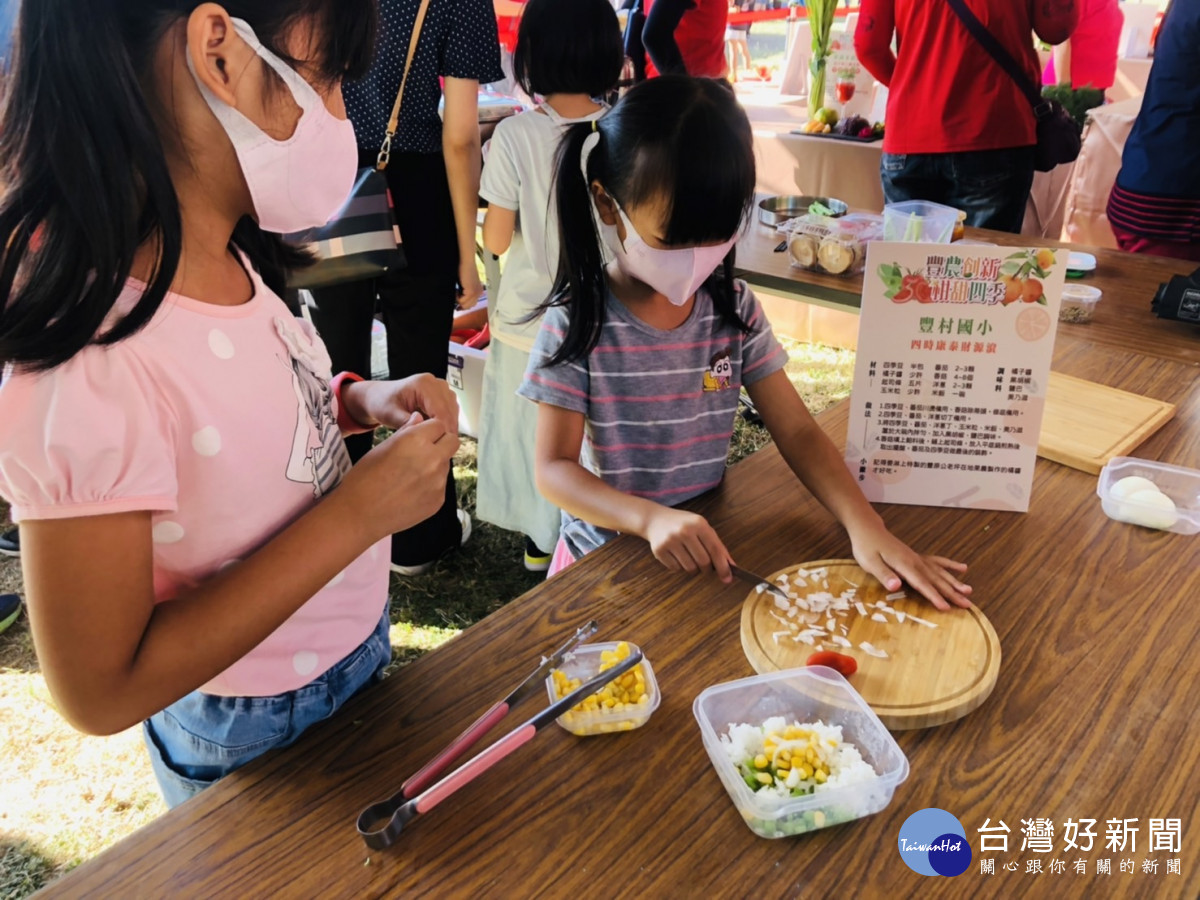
(820, 17)
(1076, 101)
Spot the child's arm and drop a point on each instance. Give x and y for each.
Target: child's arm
(818, 464)
(678, 539)
(499, 225)
(111, 656)
(500, 186)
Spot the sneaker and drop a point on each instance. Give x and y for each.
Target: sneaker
(536, 559)
(464, 519)
(10, 608)
(10, 542)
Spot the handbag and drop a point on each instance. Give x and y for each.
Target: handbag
(362, 241)
(1058, 138)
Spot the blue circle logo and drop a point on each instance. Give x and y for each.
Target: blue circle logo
(933, 842)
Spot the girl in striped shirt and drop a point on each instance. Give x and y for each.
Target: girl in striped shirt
(639, 363)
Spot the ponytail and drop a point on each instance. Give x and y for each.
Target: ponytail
(580, 281)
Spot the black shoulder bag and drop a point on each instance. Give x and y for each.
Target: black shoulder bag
(1057, 134)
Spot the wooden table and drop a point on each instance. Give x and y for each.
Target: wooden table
(1093, 716)
(1123, 319)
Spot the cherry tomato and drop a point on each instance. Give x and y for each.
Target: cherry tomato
(839, 662)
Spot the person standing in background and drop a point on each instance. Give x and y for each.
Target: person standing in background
(681, 37)
(568, 55)
(433, 175)
(1154, 206)
(960, 131)
(1088, 58)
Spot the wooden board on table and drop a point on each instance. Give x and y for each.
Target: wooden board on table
(1087, 424)
(932, 675)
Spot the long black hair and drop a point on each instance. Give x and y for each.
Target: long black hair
(568, 47)
(84, 172)
(683, 139)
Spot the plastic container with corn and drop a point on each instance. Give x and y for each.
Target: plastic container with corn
(621, 705)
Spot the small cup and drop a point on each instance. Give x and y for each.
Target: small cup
(1078, 303)
(584, 663)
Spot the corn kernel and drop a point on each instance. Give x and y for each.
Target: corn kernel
(820, 776)
(785, 755)
(760, 761)
(764, 778)
(805, 772)
(818, 818)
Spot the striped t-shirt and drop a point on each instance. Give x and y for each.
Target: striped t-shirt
(659, 405)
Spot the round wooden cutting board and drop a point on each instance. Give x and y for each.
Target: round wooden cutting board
(930, 676)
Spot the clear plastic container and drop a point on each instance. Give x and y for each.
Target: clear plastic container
(835, 246)
(583, 664)
(1181, 485)
(919, 221)
(801, 695)
(1079, 303)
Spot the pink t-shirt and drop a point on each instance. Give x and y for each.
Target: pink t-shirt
(1093, 46)
(219, 420)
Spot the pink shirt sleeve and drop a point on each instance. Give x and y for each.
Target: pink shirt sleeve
(91, 437)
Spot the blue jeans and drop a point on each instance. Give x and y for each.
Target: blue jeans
(990, 186)
(203, 737)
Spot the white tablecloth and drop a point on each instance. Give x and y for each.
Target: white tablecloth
(805, 164)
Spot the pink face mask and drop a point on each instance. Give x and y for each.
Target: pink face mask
(676, 274)
(301, 182)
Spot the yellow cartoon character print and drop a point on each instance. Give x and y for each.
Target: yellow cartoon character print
(719, 374)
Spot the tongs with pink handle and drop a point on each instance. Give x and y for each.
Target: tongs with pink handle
(380, 824)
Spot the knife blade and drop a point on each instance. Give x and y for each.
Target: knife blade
(759, 581)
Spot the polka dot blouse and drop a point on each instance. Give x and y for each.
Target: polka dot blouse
(458, 40)
(162, 422)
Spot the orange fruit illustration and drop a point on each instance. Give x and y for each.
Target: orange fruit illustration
(1045, 258)
(1033, 323)
(1031, 291)
(1012, 289)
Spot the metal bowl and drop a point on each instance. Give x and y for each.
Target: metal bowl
(776, 210)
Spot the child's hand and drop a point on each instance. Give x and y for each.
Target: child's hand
(392, 403)
(402, 481)
(889, 559)
(684, 540)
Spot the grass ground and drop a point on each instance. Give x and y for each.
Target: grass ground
(64, 796)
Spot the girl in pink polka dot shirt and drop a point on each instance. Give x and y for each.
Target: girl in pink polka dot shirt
(198, 554)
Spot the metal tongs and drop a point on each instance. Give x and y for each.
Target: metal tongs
(380, 824)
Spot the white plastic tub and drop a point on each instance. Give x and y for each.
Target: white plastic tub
(801, 695)
(1181, 485)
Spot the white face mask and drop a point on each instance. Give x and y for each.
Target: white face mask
(303, 181)
(676, 274)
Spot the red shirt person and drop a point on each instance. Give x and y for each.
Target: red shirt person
(685, 37)
(959, 130)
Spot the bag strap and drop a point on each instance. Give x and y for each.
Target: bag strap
(385, 152)
(1002, 57)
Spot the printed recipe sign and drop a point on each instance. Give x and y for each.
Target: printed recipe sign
(954, 348)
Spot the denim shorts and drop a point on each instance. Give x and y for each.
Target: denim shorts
(203, 737)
